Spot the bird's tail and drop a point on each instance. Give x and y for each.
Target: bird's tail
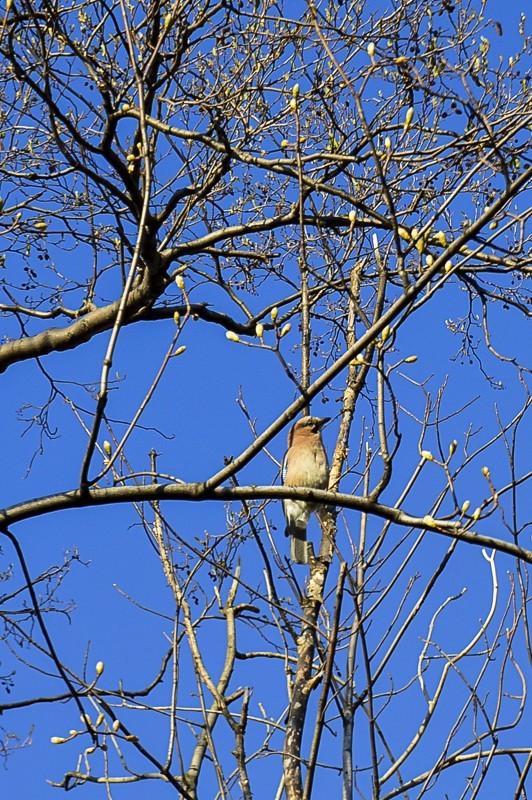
(298, 544)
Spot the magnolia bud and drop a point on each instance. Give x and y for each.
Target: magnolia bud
(107, 447)
(439, 236)
(41, 225)
(180, 350)
(177, 317)
(57, 740)
(404, 234)
(448, 266)
(116, 725)
(388, 143)
(465, 506)
(476, 514)
(285, 143)
(293, 104)
(352, 216)
(285, 329)
(410, 360)
(90, 750)
(408, 118)
(385, 333)
(99, 719)
(295, 90)
(259, 330)
(429, 521)
(132, 738)
(371, 49)
(485, 471)
(180, 282)
(427, 455)
(452, 447)
(429, 260)
(233, 337)
(274, 313)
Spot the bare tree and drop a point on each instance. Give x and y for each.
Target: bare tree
(341, 190)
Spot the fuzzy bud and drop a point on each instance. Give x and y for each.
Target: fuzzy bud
(295, 90)
(429, 521)
(427, 455)
(352, 216)
(285, 329)
(233, 337)
(293, 104)
(388, 143)
(90, 750)
(177, 317)
(57, 740)
(452, 447)
(410, 360)
(370, 49)
(107, 447)
(485, 471)
(180, 350)
(116, 725)
(259, 330)
(476, 514)
(180, 282)
(285, 143)
(274, 313)
(408, 119)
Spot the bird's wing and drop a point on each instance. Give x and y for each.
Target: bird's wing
(284, 466)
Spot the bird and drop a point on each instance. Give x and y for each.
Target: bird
(305, 464)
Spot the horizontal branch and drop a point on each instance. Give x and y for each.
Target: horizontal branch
(197, 492)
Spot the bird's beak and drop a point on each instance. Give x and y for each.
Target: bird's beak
(323, 420)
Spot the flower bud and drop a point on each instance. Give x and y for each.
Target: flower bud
(285, 143)
(410, 360)
(465, 506)
(259, 330)
(285, 329)
(371, 49)
(99, 719)
(116, 725)
(388, 143)
(57, 740)
(352, 216)
(233, 337)
(177, 317)
(485, 471)
(452, 447)
(180, 282)
(429, 521)
(100, 666)
(107, 447)
(427, 455)
(295, 90)
(476, 514)
(293, 104)
(132, 738)
(89, 750)
(274, 313)
(180, 350)
(408, 119)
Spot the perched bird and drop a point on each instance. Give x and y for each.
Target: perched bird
(305, 464)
